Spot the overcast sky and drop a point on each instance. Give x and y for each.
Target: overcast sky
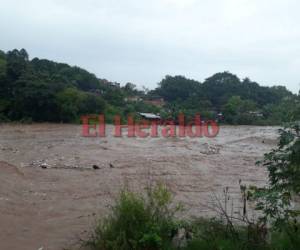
(141, 41)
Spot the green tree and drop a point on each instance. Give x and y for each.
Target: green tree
(176, 88)
(17, 64)
(69, 102)
(238, 111)
(283, 165)
(2, 63)
(91, 104)
(33, 100)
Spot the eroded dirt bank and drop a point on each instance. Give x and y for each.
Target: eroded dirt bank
(50, 193)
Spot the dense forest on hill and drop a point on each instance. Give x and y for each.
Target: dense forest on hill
(42, 90)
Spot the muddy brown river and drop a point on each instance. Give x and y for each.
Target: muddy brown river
(54, 183)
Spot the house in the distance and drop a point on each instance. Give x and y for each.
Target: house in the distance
(150, 116)
(132, 99)
(156, 101)
(255, 113)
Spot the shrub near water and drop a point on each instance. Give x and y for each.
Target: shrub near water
(138, 222)
(148, 223)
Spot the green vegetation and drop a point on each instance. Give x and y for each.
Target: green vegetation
(138, 222)
(240, 102)
(141, 223)
(283, 164)
(41, 90)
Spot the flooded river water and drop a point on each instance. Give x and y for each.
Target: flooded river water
(54, 183)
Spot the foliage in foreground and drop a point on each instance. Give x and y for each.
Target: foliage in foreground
(283, 164)
(149, 223)
(138, 222)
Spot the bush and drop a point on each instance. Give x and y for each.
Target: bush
(3, 118)
(138, 222)
(283, 165)
(214, 234)
(217, 234)
(148, 222)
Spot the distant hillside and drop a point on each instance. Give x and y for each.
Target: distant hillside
(43, 90)
(240, 101)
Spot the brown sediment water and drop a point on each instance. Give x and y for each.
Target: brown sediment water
(54, 183)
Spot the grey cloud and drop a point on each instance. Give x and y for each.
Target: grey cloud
(141, 41)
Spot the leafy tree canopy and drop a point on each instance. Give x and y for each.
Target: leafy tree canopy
(43, 90)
